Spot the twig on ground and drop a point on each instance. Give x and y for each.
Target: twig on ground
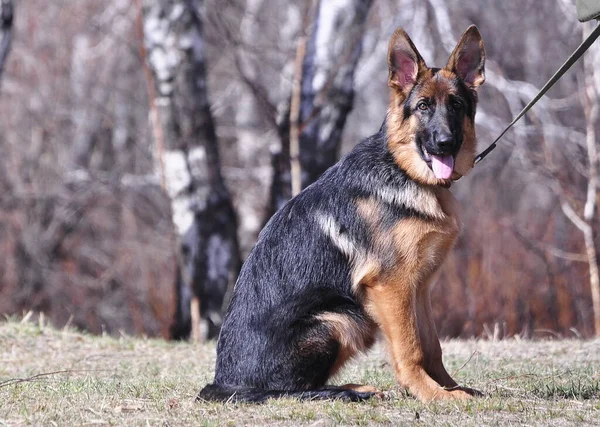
(13, 381)
(465, 364)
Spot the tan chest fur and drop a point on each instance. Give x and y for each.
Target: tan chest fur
(421, 245)
(415, 247)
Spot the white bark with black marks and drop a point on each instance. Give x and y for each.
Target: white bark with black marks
(333, 48)
(201, 205)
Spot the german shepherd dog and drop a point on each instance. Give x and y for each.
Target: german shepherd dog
(356, 251)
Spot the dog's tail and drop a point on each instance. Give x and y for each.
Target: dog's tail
(216, 392)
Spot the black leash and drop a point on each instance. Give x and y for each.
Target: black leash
(562, 70)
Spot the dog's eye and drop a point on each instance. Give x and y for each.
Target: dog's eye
(458, 104)
(422, 105)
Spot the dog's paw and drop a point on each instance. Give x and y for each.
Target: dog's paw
(365, 390)
(460, 393)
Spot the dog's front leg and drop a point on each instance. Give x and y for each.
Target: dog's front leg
(430, 343)
(394, 306)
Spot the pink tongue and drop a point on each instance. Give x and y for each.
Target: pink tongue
(442, 166)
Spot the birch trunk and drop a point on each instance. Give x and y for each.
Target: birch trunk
(333, 48)
(201, 205)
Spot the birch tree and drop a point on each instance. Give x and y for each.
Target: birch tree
(311, 132)
(187, 152)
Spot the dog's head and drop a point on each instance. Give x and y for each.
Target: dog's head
(431, 120)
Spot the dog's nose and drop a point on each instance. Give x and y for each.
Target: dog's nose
(445, 142)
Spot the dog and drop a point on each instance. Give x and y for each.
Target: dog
(356, 251)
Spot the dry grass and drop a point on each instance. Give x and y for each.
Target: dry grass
(52, 377)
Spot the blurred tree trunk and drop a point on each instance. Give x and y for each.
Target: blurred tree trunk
(6, 25)
(188, 155)
(89, 135)
(329, 56)
(248, 109)
(95, 103)
(591, 97)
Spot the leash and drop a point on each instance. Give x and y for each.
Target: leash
(562, 70)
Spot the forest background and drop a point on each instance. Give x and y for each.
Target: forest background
(144, 143)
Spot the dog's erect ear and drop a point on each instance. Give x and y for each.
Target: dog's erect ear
(467, 60)
(404, 62)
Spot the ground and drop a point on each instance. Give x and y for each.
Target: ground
(63, 377)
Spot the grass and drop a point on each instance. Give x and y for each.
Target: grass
(63, 377)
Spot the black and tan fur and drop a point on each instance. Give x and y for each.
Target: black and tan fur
(356, 252)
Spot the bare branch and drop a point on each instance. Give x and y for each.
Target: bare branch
(295, 167)
(572, 216)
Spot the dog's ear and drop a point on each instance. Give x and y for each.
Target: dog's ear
(404, 62)
(467, 60)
